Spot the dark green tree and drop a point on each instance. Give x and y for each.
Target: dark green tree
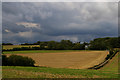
(66, 44)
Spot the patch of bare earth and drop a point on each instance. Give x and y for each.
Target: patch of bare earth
(74, 60)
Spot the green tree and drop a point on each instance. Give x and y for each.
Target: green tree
(51, 45)
(16, 60)
(76, 46)
(66, 44)
(104, 43)
(4, 60)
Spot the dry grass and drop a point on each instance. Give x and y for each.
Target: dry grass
(74, 60)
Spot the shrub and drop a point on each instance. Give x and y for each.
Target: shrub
(111, 54)
(4, 60)
(35, 48)
(16, 60)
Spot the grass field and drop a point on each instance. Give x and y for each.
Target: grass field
(46, 72)
(108, 71)
(38, 51)
(112, 64)
(17, 46)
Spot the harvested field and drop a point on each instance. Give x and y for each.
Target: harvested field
(17, 46)
(74, 60)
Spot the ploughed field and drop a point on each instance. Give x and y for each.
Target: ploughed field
(73, 59)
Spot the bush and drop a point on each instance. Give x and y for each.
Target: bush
(111, 54)
(35, 48)
(4, 60)
(16, 60)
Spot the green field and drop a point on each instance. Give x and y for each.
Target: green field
(112, 65)
(44, 72)
(38, 51)
(110, 70)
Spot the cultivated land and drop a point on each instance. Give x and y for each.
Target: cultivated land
(110, 70)
(71, 60)
(17, 46)
(75, 60)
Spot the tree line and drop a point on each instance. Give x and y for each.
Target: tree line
(105, 43)
(96, 44)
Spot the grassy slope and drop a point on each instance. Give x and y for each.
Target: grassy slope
(44, 72)
(108, 71)
(112, 64)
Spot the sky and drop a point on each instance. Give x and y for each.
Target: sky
(60, 0)
(45, 21)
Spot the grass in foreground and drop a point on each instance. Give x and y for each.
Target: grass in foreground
(108, 71)
(45, 72)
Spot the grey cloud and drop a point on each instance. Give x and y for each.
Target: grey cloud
(74, 21)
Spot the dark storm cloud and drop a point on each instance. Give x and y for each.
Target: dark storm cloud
(74, 21)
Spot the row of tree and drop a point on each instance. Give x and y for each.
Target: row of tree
(62, 45)
(104, 43)
(96, 44)
(53, 45)
(7, 44)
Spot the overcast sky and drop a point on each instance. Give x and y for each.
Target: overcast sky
(44, 21)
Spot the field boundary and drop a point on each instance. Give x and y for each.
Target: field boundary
(104, 62)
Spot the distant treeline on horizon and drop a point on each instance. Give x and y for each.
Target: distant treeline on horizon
(96, 44)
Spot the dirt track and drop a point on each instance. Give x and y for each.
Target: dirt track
(75, 60)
